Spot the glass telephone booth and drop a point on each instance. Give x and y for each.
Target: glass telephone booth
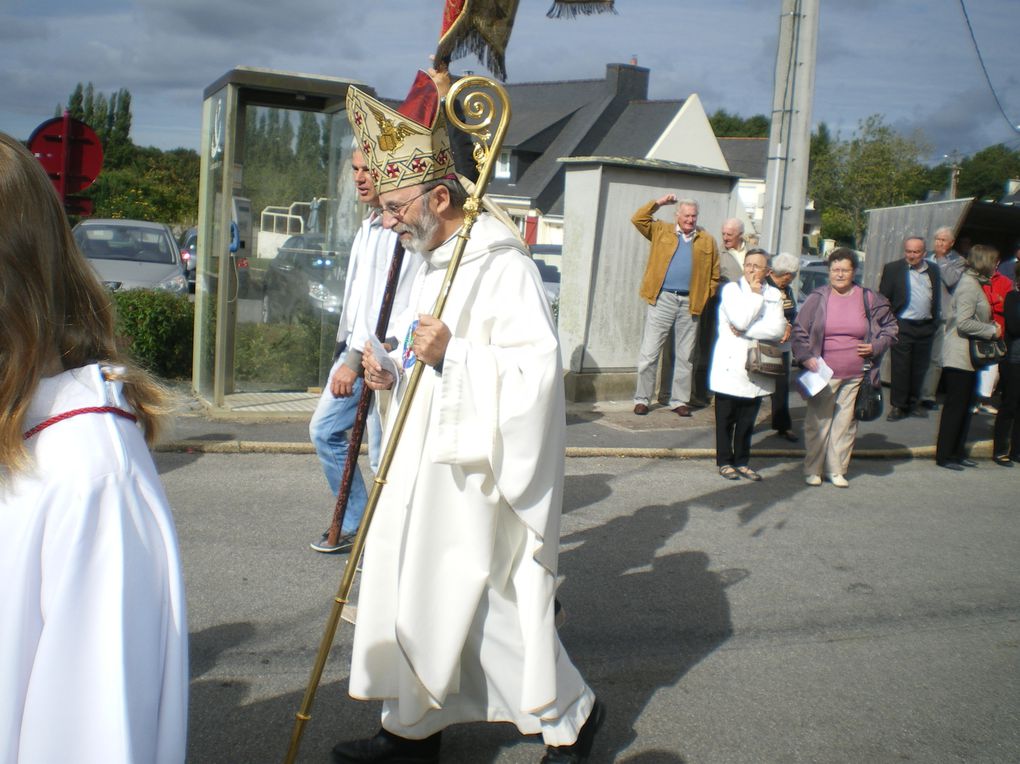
(277, 215)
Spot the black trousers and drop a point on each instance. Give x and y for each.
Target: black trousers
(734, 425)
(909, 359)
(951, 444)
(781, 419)
(1007, 423)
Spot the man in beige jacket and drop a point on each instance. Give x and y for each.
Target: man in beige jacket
(681, 275)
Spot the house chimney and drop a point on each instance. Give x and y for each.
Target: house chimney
(628, 82)
(633, 59)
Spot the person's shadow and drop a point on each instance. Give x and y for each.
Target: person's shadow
(639, 619)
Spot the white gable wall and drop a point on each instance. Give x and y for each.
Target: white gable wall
(689, 139)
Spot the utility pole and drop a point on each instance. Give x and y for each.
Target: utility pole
(790, 135)
(954, 172)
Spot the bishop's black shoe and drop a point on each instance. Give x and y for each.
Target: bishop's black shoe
(387, 748)
(579, 751)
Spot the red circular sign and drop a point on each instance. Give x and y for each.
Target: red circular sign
(70, 152)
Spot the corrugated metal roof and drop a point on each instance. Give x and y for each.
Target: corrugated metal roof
(981, 222)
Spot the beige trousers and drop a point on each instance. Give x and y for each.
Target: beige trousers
(830, 428)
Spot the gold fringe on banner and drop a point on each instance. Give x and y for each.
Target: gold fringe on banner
(571, 8)
(479, 27)
(482, 27)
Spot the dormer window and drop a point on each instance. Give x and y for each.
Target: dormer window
(503, 165)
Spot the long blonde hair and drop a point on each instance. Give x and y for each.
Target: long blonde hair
(52, 307)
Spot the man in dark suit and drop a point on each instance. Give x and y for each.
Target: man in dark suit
(914, 288)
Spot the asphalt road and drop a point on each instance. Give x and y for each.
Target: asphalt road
(719, 622)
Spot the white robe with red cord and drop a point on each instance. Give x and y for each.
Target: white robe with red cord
(455, 618)
(93, 636)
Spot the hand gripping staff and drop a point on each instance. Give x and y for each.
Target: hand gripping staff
(480, 114)
(364, 402)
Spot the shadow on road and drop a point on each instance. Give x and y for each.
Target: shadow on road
(640, 615)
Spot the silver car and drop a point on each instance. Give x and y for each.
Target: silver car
(132, 254)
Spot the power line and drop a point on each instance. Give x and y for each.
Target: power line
(984, 69)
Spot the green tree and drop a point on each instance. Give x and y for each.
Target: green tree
(74, 103)
(157, 185)
(119, 148)
(284, 164)
(876, 167)
(726, 125)
(88, 103)
(984, 174)
(100, 118)
(138, 183)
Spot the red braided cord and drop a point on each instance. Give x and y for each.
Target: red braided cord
(68, 414)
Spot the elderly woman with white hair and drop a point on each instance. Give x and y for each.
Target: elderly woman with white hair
(784, 269)
(749, 310)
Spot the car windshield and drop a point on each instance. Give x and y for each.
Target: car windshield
(122, 242)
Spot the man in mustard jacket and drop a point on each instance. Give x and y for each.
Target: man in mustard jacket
(681, 275)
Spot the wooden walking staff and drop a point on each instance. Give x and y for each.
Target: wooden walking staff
(364, 402)
(481, 111)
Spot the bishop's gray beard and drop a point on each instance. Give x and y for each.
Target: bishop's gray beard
(421, 232)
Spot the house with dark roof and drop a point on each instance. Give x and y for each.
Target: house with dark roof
(749, 157)
(613, 117)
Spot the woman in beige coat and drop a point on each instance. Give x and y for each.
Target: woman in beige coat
(971, 317)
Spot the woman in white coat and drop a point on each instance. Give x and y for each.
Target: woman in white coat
(749, 310)
(93, 638)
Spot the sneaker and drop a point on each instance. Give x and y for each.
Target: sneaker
(987, 408)
(343, 544)
(838, 480)
(813, 479)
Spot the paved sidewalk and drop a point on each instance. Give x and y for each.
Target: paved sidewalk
(594, 429)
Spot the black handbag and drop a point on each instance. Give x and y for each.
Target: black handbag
(765, 358)
(986, 352)
(868, 405)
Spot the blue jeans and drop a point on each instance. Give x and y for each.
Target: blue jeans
(328, 429)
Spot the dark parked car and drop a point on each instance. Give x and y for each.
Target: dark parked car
(189, 253)
(132, 254)
(305, 278)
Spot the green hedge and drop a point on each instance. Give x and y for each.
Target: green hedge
(156, 329)
(284, 356)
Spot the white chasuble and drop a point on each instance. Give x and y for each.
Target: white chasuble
(455, 616)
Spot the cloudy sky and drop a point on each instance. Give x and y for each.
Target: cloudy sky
(909, 60)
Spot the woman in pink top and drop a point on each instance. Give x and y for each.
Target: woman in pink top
(832, 328)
